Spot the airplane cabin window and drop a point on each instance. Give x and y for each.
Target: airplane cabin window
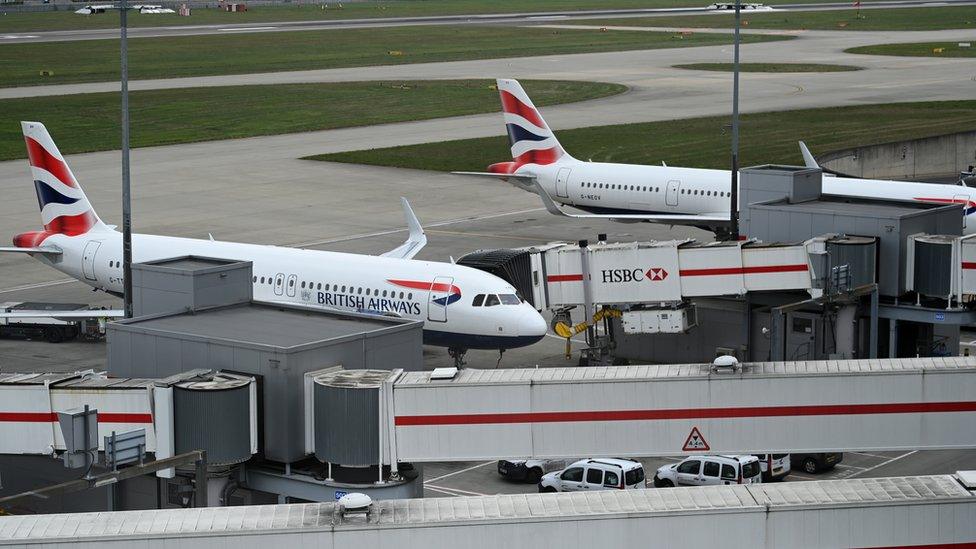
(492, 300)
(343, 289)
(478, 300)
(255, 279)
(401, 295)
(303, 284)
(320, 286)
(410, 296)
(510, 299)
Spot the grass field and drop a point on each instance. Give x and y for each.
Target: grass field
(288, 51)
(90, 122)
(312, 11)
(700, 142)
(920, 49)
(768, 67)
(931, 18)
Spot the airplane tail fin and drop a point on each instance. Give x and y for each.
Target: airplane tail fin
(531, 139)
(64, 207)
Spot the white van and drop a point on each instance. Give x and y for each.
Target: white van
(596, 474)
(710, 470)
(774, 466)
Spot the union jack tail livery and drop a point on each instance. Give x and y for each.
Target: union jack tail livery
(530, 137)
(64, 207)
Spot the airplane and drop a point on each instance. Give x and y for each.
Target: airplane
(462, 308)
(632, 193)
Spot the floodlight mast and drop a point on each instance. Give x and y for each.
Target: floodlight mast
(734, 195)
(126, 197)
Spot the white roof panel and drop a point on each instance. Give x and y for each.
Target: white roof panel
(500, 508)
(671, 371)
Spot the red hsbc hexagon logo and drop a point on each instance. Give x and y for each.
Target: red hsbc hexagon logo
(656, 273)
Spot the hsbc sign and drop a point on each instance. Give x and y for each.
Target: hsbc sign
(633, 275)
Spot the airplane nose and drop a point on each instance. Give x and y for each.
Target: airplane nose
(531, 324)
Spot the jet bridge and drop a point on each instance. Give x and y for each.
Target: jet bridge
(811, 406)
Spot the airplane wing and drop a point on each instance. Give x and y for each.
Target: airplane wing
(416, 239)
(667, 219)
(42, 250)
(521, 178)
(64, 315)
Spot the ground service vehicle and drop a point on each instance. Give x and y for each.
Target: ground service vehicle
(774, 466)
(817, 462)
(528, 470)
(596, 474)
(710, 470)
(54, 330)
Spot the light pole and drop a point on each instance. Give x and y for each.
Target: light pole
(734, 195)
(126, 199)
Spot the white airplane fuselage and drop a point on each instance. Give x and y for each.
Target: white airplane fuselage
(439, 294)
(607, 188)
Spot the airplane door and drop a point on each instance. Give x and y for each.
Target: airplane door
(671, 196)
(292, 282)
(964, 200)
(88, 259)
(562, 182)
(279, 285)
(440, 291)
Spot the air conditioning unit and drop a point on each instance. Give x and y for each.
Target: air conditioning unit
(659, 321)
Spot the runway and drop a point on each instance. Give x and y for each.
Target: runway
(479, 19)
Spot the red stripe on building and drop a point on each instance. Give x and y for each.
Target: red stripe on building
(564, 278)
(50, 417)
(800, 267)
(959, 545)
(690, 413)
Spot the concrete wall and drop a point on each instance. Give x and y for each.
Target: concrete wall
(917, 159)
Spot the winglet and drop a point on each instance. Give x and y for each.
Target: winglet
(808, 160)
(415, 241)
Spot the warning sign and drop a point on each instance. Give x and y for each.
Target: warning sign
(695, 441)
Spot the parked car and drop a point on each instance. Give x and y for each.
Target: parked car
(710, 470)
(774, 466)
(596, 474)
(815, 463)
(528, 470)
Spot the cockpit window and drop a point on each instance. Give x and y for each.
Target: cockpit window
(510, 299)
(478, 300)
(491, 300)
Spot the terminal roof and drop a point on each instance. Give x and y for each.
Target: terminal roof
(407, 513)
(672, 371)
(265, 325)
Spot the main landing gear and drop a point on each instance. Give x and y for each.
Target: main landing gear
(458, 355)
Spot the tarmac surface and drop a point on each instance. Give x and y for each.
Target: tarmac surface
(257, 190)
(482, 19)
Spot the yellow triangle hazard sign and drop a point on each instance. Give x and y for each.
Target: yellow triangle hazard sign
(695, 442)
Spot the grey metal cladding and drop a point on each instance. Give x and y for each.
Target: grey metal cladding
(933, 267)
(217, 421)
(347, 425)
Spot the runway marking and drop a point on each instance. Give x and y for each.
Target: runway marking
(472, 468)
(38, 285)
(883, 463)
(870, 455)
(486, 235)
(245, 29)
(404, 229)
(453, 491)
(17, 37)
